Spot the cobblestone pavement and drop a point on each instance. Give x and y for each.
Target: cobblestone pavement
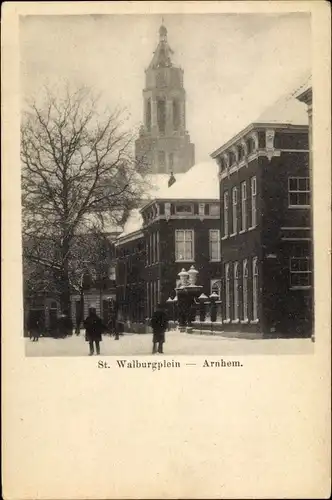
(177, 343)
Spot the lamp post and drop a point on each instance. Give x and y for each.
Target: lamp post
(213, 308)
(187, 292)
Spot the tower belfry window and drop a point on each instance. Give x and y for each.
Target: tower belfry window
(176, 115)
(148, 115)
(161, 115)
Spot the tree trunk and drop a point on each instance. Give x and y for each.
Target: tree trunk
(65, 283)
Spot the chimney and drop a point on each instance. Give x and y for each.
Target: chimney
(171, 180)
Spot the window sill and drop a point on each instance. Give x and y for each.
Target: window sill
(227, 321)
(254, 321)
(233, 234)
(184, 261)
(215, 260)
(242, 231)
(235, 321)
(251, 228)
(244, 321)
(304, 287)
(299, 206)
(224, 237)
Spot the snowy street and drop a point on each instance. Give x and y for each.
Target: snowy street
(177, 343)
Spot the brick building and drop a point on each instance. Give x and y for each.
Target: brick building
(266, 224)
(177, 228)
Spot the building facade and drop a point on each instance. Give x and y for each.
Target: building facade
(266, 230)
(175, 230)
(164, 142)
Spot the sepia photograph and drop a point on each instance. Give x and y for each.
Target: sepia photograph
(166, 250)
(166, 188)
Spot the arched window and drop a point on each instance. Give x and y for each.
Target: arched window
(251, 145)
(234, 213)
(245, 290)
(255, 289)
(148, 115)
(228, 293)
(176, 115)
(216, 287)
(236, 291)
(161, 115)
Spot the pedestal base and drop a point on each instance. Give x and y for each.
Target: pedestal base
(189, 329)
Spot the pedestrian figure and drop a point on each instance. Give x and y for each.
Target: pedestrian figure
(159, 324)
(93, 329)
(65, 325)
(35, 331)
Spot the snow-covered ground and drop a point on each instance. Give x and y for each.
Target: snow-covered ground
(177, 343)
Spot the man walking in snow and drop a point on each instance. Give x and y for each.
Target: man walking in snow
(159, 324)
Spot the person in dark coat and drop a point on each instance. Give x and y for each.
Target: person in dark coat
(35, 330)
(93, 329)
(159, 324)
(65, 325)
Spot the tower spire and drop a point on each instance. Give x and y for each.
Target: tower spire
(163, 32)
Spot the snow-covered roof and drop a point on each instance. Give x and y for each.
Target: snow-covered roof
(134, 223)
(199, 182)
(286, 110)
(157, 184)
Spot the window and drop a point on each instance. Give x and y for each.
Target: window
(161, 160)
(216, 287)
(184, 245)
(234, 202)
(255, 289)
(214, 244)
(148, 115)
(148, 300)
(236, 291)
(153, 248)
(300, 268)
(245, 290)
(161, 115)
(158, 292)
(176, 115)
(251, 145)
(228, 293)
(253, 202)
(226, 213)
(157, 247)
(299, 191)
(155, 285)
(214, 209)
(232, 158)
(243, 206)
(184, 209)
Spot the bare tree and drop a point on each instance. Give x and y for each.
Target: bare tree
(78, 173)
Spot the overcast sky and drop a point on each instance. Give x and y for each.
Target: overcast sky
(234, 65)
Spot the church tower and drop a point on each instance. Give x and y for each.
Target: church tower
(163, 141)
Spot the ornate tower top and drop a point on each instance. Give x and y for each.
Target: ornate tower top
(163, 52)
(164, 141)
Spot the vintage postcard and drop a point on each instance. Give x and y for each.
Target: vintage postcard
(166, 250)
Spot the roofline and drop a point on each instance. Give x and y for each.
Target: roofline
(250, 128)
(129, 237)
(305, 96)
(186, 200)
